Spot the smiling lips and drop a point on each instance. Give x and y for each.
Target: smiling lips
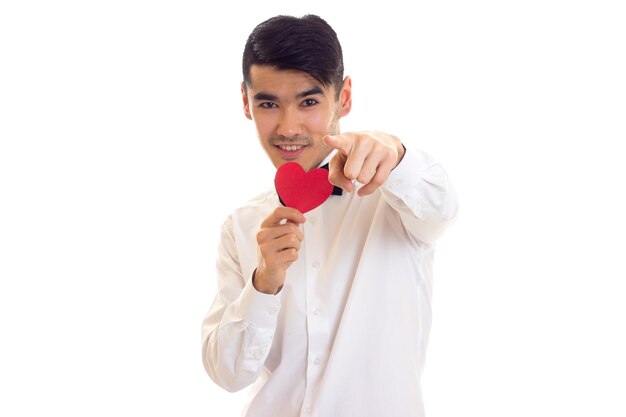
(290, 151)
(290, 148)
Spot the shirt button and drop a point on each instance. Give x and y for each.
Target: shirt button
(317, 311)
(316, 264)
(313, 219)
(257, 354)
(317, 360)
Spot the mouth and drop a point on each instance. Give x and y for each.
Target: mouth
(290, 152)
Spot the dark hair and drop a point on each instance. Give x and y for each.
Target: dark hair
(307, 44)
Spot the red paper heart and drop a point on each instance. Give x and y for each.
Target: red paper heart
(302, 190)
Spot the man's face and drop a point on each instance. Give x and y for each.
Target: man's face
(293, 112)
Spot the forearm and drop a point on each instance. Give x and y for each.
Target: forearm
(420, 191)
(237, 338)
(238, 329)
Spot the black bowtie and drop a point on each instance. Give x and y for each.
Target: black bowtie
(336, 190)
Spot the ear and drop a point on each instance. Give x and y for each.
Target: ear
(345, 97)
(246, 103)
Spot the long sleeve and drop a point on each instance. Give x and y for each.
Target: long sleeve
(420, 191)
(364, 270)
(238, 330)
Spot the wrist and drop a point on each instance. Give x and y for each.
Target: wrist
(261, 286)
(401, 150)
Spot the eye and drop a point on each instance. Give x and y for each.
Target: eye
(309, 102)
(268, 105)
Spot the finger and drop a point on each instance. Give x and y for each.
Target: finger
(271, 233)
(382, 173)
(271, 249)
(343, 143)
(336, 175)
(279, 214)
(288, 256)
(368, 169)
(356, 158)
(281, 244)
(285, 228)
(288, 242)
(277, 260)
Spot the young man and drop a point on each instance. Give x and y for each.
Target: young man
(326, 313)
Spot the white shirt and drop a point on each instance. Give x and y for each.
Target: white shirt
(347, 334)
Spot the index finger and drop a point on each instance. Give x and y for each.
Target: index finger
(279, 214)
(342, 143)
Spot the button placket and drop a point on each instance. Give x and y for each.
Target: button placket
(315, 324)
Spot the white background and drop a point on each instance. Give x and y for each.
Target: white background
(121, 123)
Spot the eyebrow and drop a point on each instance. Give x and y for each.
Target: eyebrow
(310, 92)
(271, 97)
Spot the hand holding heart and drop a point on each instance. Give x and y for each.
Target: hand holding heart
(367, 157)
(279, 241)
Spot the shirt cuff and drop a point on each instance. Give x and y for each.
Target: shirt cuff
(258, 308)
(408, 172)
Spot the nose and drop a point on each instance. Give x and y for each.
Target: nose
(289, 124)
